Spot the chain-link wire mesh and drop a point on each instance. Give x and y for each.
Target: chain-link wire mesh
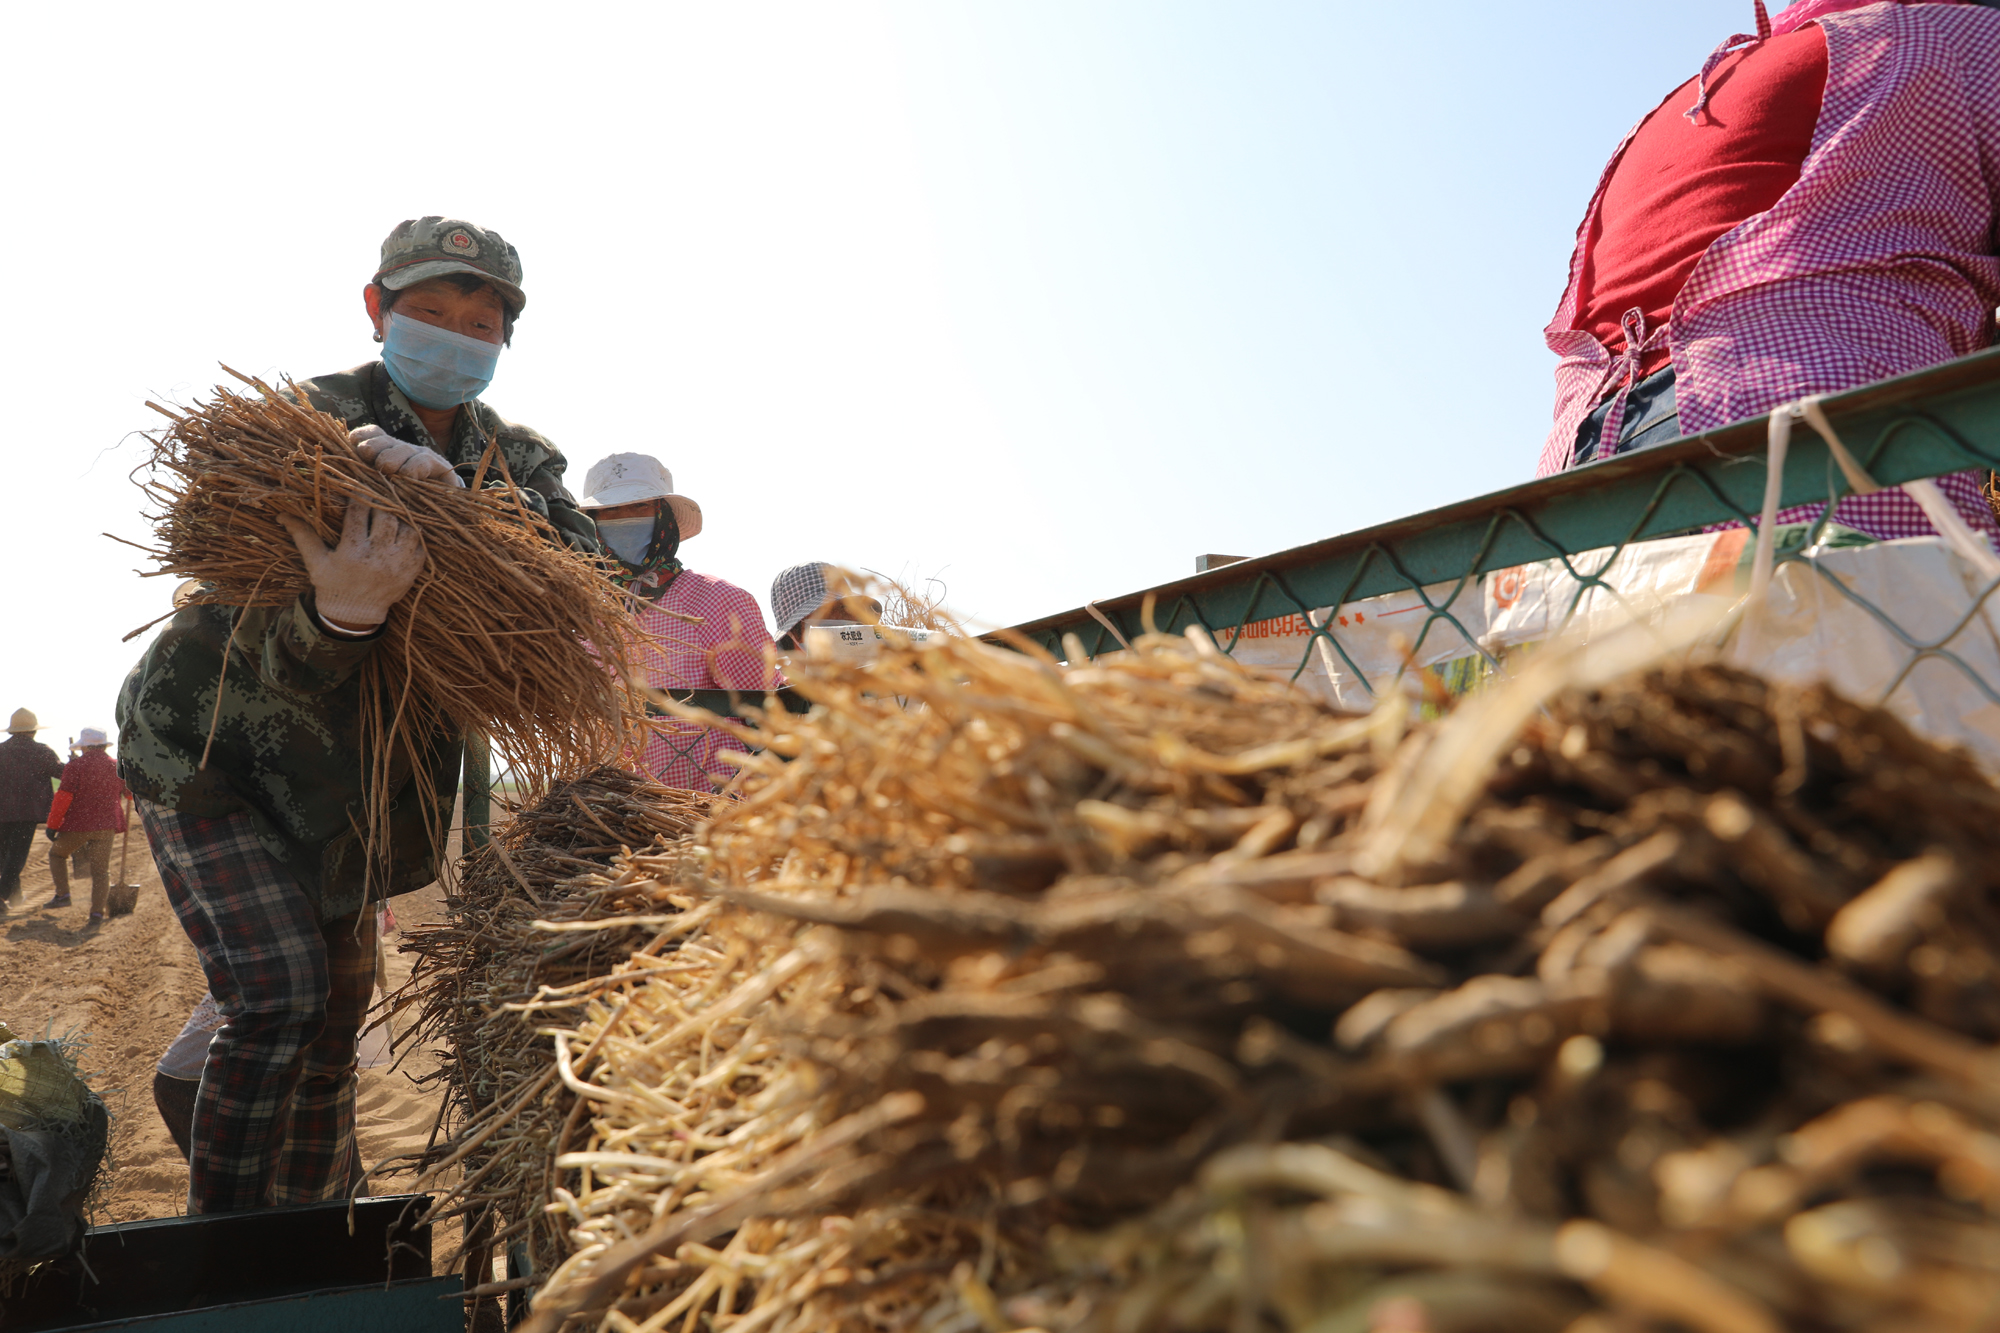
(1455, 593)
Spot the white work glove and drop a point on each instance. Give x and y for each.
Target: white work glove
(356, 582)
(400, 458)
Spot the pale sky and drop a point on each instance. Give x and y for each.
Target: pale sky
(1044, 297)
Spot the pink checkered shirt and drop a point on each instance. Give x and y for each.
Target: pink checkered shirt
(703, 634)
(1878, 262)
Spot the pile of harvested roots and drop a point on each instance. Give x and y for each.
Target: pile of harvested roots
(1151, 995)
(501, 633)
(488, 962)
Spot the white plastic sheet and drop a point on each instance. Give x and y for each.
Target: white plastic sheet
(1809, 630)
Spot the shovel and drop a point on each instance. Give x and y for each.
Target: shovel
(123, 896)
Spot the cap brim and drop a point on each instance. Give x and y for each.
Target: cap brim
(437, 268)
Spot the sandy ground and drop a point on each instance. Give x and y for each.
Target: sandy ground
(126, 989)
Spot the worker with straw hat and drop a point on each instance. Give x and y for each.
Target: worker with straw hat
(28, 772)
(88, 814)
(693, 631)
(252, 781)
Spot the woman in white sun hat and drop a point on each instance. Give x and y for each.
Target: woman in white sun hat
(694, 631)
(88, 814)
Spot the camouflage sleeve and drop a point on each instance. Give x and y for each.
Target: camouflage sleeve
(578, 532)
(341, 394)
(575, 526)
(293, 653)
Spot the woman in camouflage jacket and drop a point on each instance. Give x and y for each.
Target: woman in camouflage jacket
(252, 805)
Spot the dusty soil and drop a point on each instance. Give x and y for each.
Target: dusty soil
(126, 989)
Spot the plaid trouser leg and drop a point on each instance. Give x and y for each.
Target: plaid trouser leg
(274, 1119)
(319, 1144)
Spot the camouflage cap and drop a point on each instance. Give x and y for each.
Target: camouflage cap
(431, 247)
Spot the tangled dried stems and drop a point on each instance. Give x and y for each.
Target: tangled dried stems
(504, 633)
(914, 605)
(1059, 1001)
(506, 950)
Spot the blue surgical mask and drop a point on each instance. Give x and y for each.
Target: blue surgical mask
(627, 538)
(435, 367)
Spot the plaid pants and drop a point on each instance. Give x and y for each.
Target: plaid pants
(274, 1120)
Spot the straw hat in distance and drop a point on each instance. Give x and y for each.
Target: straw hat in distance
(23, 723)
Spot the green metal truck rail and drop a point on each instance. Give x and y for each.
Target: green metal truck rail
(1936, 421)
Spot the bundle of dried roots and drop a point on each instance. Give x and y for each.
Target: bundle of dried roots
(507, 947)
(1088, 998)
(505, 632)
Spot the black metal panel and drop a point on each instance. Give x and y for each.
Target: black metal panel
(183, 1263)
(422, 1305)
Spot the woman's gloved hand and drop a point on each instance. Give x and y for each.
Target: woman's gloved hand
(356, 582)
(400, 458)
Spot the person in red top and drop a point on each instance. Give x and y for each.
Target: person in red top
(1814, 210)
(88, 814)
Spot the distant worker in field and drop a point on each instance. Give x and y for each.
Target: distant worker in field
(248, 785)
(1814, 211)
(87, 816)
(29, 771)
(816, 593)
(693, 631)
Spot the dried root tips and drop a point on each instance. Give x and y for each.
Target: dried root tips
(532, 932)
(1029, 996)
